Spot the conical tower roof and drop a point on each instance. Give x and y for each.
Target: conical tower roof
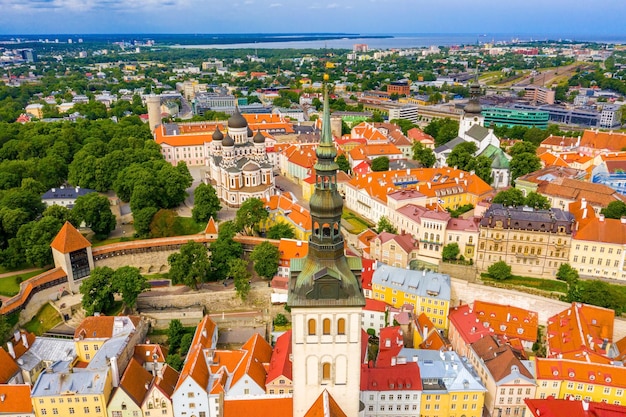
(69, 240)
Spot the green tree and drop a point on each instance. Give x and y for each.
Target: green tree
(265, 257)
(281, 230)
(462, 156)
(223, 250)
(424, 155)
(142, 220)
(450, 252)
(185, 343)
(499, 271)
(343, 163)
(614, 210)
(238, 271)
(175, 361)
(32, 243)
(97, 290)
(63, 214)
(206, 203)
(175, 333)
(404, 124)
(95, 210)
(481, 165)
(380, 164)
(129, 283)
(537, 201)
(510, 197)
(567, 273)
(443, 130)
(524, 163)
(251, 213)
(190, 266)
(280, 320)
(522, 147)
(602, 294)
(384, 225)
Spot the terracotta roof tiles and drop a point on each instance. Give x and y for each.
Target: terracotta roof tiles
(135, 381)
(280, 362)
(325, 406)
(69, 240)
(9, 367)
(15, 399)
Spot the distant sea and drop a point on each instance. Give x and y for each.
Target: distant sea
(391, 41)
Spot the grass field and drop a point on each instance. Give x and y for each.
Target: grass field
(47, 318)
(537, 283)
(9, 286)
(358, 224)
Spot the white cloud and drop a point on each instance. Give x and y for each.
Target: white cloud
(276, 5)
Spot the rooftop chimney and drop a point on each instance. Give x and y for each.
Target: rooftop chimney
(115, 372)
(601, 217)
(11, 349)
(25, 340)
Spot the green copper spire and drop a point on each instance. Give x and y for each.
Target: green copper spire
(326, 151)
(326, 277)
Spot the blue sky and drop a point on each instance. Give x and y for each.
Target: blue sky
(561, 17)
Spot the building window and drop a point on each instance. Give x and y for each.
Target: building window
(312, 327)
(341, 326)
(326, 371)
(326, 326)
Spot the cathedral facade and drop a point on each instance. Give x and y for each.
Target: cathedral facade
(238, 166)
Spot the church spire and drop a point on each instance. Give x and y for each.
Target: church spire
(326, 149)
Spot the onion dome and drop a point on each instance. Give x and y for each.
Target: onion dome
(250, 133)
(218, 135)
(259, 138)
(228, 141)
(473, 107)
(237, 121)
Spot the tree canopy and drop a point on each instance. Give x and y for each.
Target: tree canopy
(223, 250)
(97, 290)
(499, 271)
(614, 210)
(251, 213)
(281, 230)
(265, 257)
(384, 225)
(238, 271)
(443, 130)
(380, 164)
(206, 203)
(424, 155)
(95, 210)
(190, 266)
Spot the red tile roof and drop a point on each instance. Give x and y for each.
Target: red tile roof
(195, 368)
(551, 407)
(69, 240)
(509, 321)
(375, 305)
(280, 363)
(567, 370)
(466, 322)
(400, 377)
(166, 382)
(367, 273)
(136, 381)
(15, 399)
(610, 140)
(150, 353)
(325, 406)
(578, 329)
(211, 227)
(391, 343)
(100, 327)
(259, 407)
(258, 354)
(9, 367)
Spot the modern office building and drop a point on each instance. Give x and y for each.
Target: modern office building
(500, 116)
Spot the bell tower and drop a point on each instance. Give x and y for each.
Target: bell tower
(326, 297)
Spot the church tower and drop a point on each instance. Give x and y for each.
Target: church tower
(472, 113)
(326, 297)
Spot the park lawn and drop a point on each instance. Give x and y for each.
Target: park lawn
(537, 283)
(9, 286)
(187, 226)
(46, 318)
(358, 224)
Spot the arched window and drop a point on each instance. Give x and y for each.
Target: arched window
(163, 404)
(326, 326)
(326, 371)
(312, 327)
(341, 326)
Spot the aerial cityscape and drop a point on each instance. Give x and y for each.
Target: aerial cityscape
(332, 214)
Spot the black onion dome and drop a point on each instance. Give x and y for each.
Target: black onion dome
(218, 135)
(250, 133)
(237, 121)
(228, 141)
(259, 138)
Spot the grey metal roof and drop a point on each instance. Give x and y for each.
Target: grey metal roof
(421, 283)
(79, 381)
(47, 349)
